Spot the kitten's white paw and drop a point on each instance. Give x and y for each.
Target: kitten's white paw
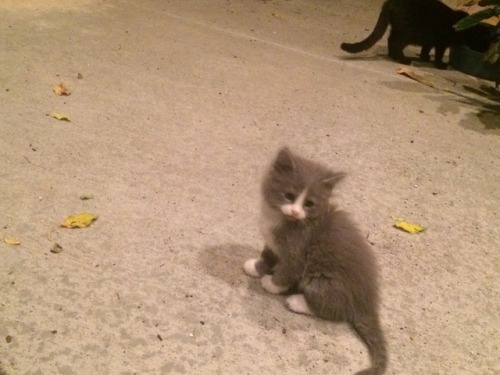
(250, 267)
(270, 287)
(297, 303)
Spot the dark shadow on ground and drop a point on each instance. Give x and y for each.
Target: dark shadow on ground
(354, 57)
(484, 99)
(225, 262)
(487, 102)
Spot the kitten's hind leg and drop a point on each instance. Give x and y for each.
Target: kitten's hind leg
(261, 266)
(326, 298)
(298, 304)
(269, 286)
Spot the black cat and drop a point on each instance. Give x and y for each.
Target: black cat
(427, 23)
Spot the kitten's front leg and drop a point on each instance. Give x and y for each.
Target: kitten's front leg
(257, 267)
(284, 276)
(270, 287)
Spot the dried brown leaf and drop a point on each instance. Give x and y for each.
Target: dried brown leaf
(407, 72)
(61, 89)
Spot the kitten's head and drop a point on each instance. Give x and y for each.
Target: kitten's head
(298, 188)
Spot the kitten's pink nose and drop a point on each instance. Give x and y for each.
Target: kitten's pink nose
(295, 213)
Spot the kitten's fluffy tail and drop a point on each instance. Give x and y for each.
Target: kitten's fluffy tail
(377, 33)
(370, 332)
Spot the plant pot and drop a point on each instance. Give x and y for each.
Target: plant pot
(471, 62)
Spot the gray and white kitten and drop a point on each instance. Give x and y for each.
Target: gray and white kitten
(315, 251)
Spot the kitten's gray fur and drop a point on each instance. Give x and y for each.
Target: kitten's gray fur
(322, 256)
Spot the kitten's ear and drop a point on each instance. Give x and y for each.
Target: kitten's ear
(333, 179)
(284, 161)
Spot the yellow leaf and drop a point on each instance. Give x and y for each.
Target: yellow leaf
(409, 227)
(11, 240)
(61, 89)
(60, 116)
(79, 221)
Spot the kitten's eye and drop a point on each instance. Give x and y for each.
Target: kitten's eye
(290, 197)
(309, 204)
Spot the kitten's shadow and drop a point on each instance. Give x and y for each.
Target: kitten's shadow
(225, 262)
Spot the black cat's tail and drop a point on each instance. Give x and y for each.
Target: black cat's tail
(369, 330)
(377, 33)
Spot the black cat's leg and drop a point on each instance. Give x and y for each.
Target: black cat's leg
(391, 44)
(396, 47)
(425, 53)
(438, 58)
(264, 265)
(400, 57)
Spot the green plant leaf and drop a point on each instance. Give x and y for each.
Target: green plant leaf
(475, 18)
(485, 3)
(493, 54)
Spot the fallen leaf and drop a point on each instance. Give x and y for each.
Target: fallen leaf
(407, 72)
(56, 248)
(86, 196)
(82, 220)
(61, 89)
(11, 240)
(60, 116)
(408, 227)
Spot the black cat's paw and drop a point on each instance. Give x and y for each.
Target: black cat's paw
(440, 65)
(404, 60)
(425, 58)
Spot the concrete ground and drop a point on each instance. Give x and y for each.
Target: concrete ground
(179, 107)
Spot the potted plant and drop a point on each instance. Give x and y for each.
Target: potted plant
(481, 64)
